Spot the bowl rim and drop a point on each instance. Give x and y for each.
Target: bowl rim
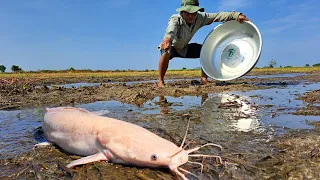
(246, 70)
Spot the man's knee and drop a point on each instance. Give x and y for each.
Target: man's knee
(167, 54)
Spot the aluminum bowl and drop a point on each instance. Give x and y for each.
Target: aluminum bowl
(231, 50)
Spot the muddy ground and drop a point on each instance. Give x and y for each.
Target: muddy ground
(35, 93)
(294, 156)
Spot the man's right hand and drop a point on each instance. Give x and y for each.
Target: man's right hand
(166, 44)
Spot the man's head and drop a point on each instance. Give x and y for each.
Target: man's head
(189, 10)
(190, 6)
(190, 18)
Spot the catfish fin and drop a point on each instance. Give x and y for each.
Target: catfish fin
(88, 159)
(47, 110)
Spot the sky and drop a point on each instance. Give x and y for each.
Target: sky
(125, 34)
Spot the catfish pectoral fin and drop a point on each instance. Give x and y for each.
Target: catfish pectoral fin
(89, 159)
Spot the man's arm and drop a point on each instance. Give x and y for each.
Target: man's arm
(223, 17)
(172, 28)
(171, 32)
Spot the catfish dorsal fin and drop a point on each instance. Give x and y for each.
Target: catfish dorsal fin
(47, 110)
(77, 109)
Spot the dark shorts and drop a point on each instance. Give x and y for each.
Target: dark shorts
(194, 50)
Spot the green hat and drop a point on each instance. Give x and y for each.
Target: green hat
(190, 6)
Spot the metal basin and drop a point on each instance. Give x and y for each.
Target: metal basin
(231, 50)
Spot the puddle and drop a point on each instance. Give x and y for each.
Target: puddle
(17, 131)
(280, 83)
(276, 76)
(242, 111)
(258, 111)
(77, 85)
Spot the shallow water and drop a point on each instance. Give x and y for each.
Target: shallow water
(218, 115)
(17, 130)
(277, 75)
(77, 85)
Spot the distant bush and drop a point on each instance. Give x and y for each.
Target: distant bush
(316, 65)
(15, 68)
(2, 68)
(307, 65)
(272, 63)
(288, 67)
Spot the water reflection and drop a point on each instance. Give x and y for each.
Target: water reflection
(163, 103)
(224, 112)
(166, 103)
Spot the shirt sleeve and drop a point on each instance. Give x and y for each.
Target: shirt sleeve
(172, 28)
(220, 17)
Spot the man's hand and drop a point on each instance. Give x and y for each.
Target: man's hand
(242, 18)
(166, 44)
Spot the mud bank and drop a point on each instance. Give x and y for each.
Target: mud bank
(256, 154)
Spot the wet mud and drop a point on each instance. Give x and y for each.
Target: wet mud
(22, 93)
(256, 154)
(313, 104)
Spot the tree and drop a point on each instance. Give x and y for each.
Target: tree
(307, 65)
(272, 63)
(2, 68)
(15, 68)
(315, 65)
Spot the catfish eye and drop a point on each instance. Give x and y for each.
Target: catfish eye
(154, 157)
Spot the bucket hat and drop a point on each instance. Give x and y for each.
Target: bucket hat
(190, 6)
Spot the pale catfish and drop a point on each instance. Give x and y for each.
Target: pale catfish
(100, 138)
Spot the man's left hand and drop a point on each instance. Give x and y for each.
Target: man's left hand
(242, 18)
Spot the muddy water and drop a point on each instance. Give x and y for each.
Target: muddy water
(82, 84)
(248, 125)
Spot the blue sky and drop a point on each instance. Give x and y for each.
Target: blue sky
(124, 34)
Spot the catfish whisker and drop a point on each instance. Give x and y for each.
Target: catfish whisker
(197, 164)
(208, 144)
(187, 172)
(204, 155)
(185, 135)
(184, 139)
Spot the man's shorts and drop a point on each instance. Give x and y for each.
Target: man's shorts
(194, 50)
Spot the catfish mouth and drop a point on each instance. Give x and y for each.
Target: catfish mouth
(151, 164)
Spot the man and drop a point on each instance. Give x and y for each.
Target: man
(180, 30)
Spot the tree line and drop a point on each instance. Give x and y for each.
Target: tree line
(14, 68)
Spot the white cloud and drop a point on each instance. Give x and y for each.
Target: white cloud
(291, 18)
(296, 16)
(233, 4)
(277, 29)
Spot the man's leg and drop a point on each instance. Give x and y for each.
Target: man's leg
(166, 56)
(204, 78)
(162, 67)
(194, 51)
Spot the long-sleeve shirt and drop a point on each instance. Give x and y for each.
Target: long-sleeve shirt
(181, 33)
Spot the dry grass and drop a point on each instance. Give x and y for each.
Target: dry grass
(185, 73)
